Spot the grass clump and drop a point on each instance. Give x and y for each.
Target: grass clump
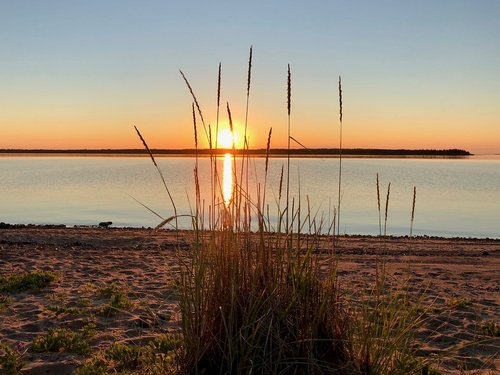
(158, 357)
(459, 303)
(33, 280)
(109, 290)
(10, 360)
(277, 315)
(255, 302)
(59, 310)
(384, 319)
(61, 340)
(258, 296)
(490, 328)
(118, 300)
(96, 365)
(4, 302)
(125, 357)
(166, 343)
(89, 328)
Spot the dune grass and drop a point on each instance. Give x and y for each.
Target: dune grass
(34, 280)
(10, 360)
(490, 328)
(118, 300)
(62, 339)
(269, 302)
(158, 356)
(4, 302)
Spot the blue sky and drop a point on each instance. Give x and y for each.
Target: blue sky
(419, 75)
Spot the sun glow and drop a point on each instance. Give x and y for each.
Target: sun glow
(225, 139)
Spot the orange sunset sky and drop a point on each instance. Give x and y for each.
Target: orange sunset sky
(80, 75)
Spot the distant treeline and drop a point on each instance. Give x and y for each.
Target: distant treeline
(255, 152)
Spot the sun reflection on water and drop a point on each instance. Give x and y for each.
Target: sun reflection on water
(227, 179)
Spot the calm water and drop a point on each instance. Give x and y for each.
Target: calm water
(455, 197)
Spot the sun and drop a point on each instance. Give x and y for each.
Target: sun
(225, 139)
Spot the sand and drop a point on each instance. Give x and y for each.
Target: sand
(461, 278)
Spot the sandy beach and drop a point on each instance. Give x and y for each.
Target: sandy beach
(461, 278)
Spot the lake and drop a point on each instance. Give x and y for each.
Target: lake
(455, 197)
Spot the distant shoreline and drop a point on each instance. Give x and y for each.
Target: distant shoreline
(252, 152)
(4, 227)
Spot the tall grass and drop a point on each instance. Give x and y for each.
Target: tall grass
(378, 205)
(386, 214)
(340, 157)
(269, 301)
(288, 107)
(215, 175)
(245, 160)
(413, 210)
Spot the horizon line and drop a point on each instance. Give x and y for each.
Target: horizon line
(257, 151)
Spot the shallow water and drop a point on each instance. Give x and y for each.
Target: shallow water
(455, 197)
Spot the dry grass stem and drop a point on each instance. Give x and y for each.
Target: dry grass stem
(218, 85)
(289, 105)
(340, 157)
(387, 208)
(378, 205)
(249, 71)
(280, 189)
(194, 127)
(160, 173)
(340, 99)
(195, 101)
(301, 145)
(146, 146)
(413, 209)
(268, 148)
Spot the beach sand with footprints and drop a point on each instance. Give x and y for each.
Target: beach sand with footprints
(459, 277)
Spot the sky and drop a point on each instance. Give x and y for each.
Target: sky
(82, 74)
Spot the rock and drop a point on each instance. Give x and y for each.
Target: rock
(105, 224)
